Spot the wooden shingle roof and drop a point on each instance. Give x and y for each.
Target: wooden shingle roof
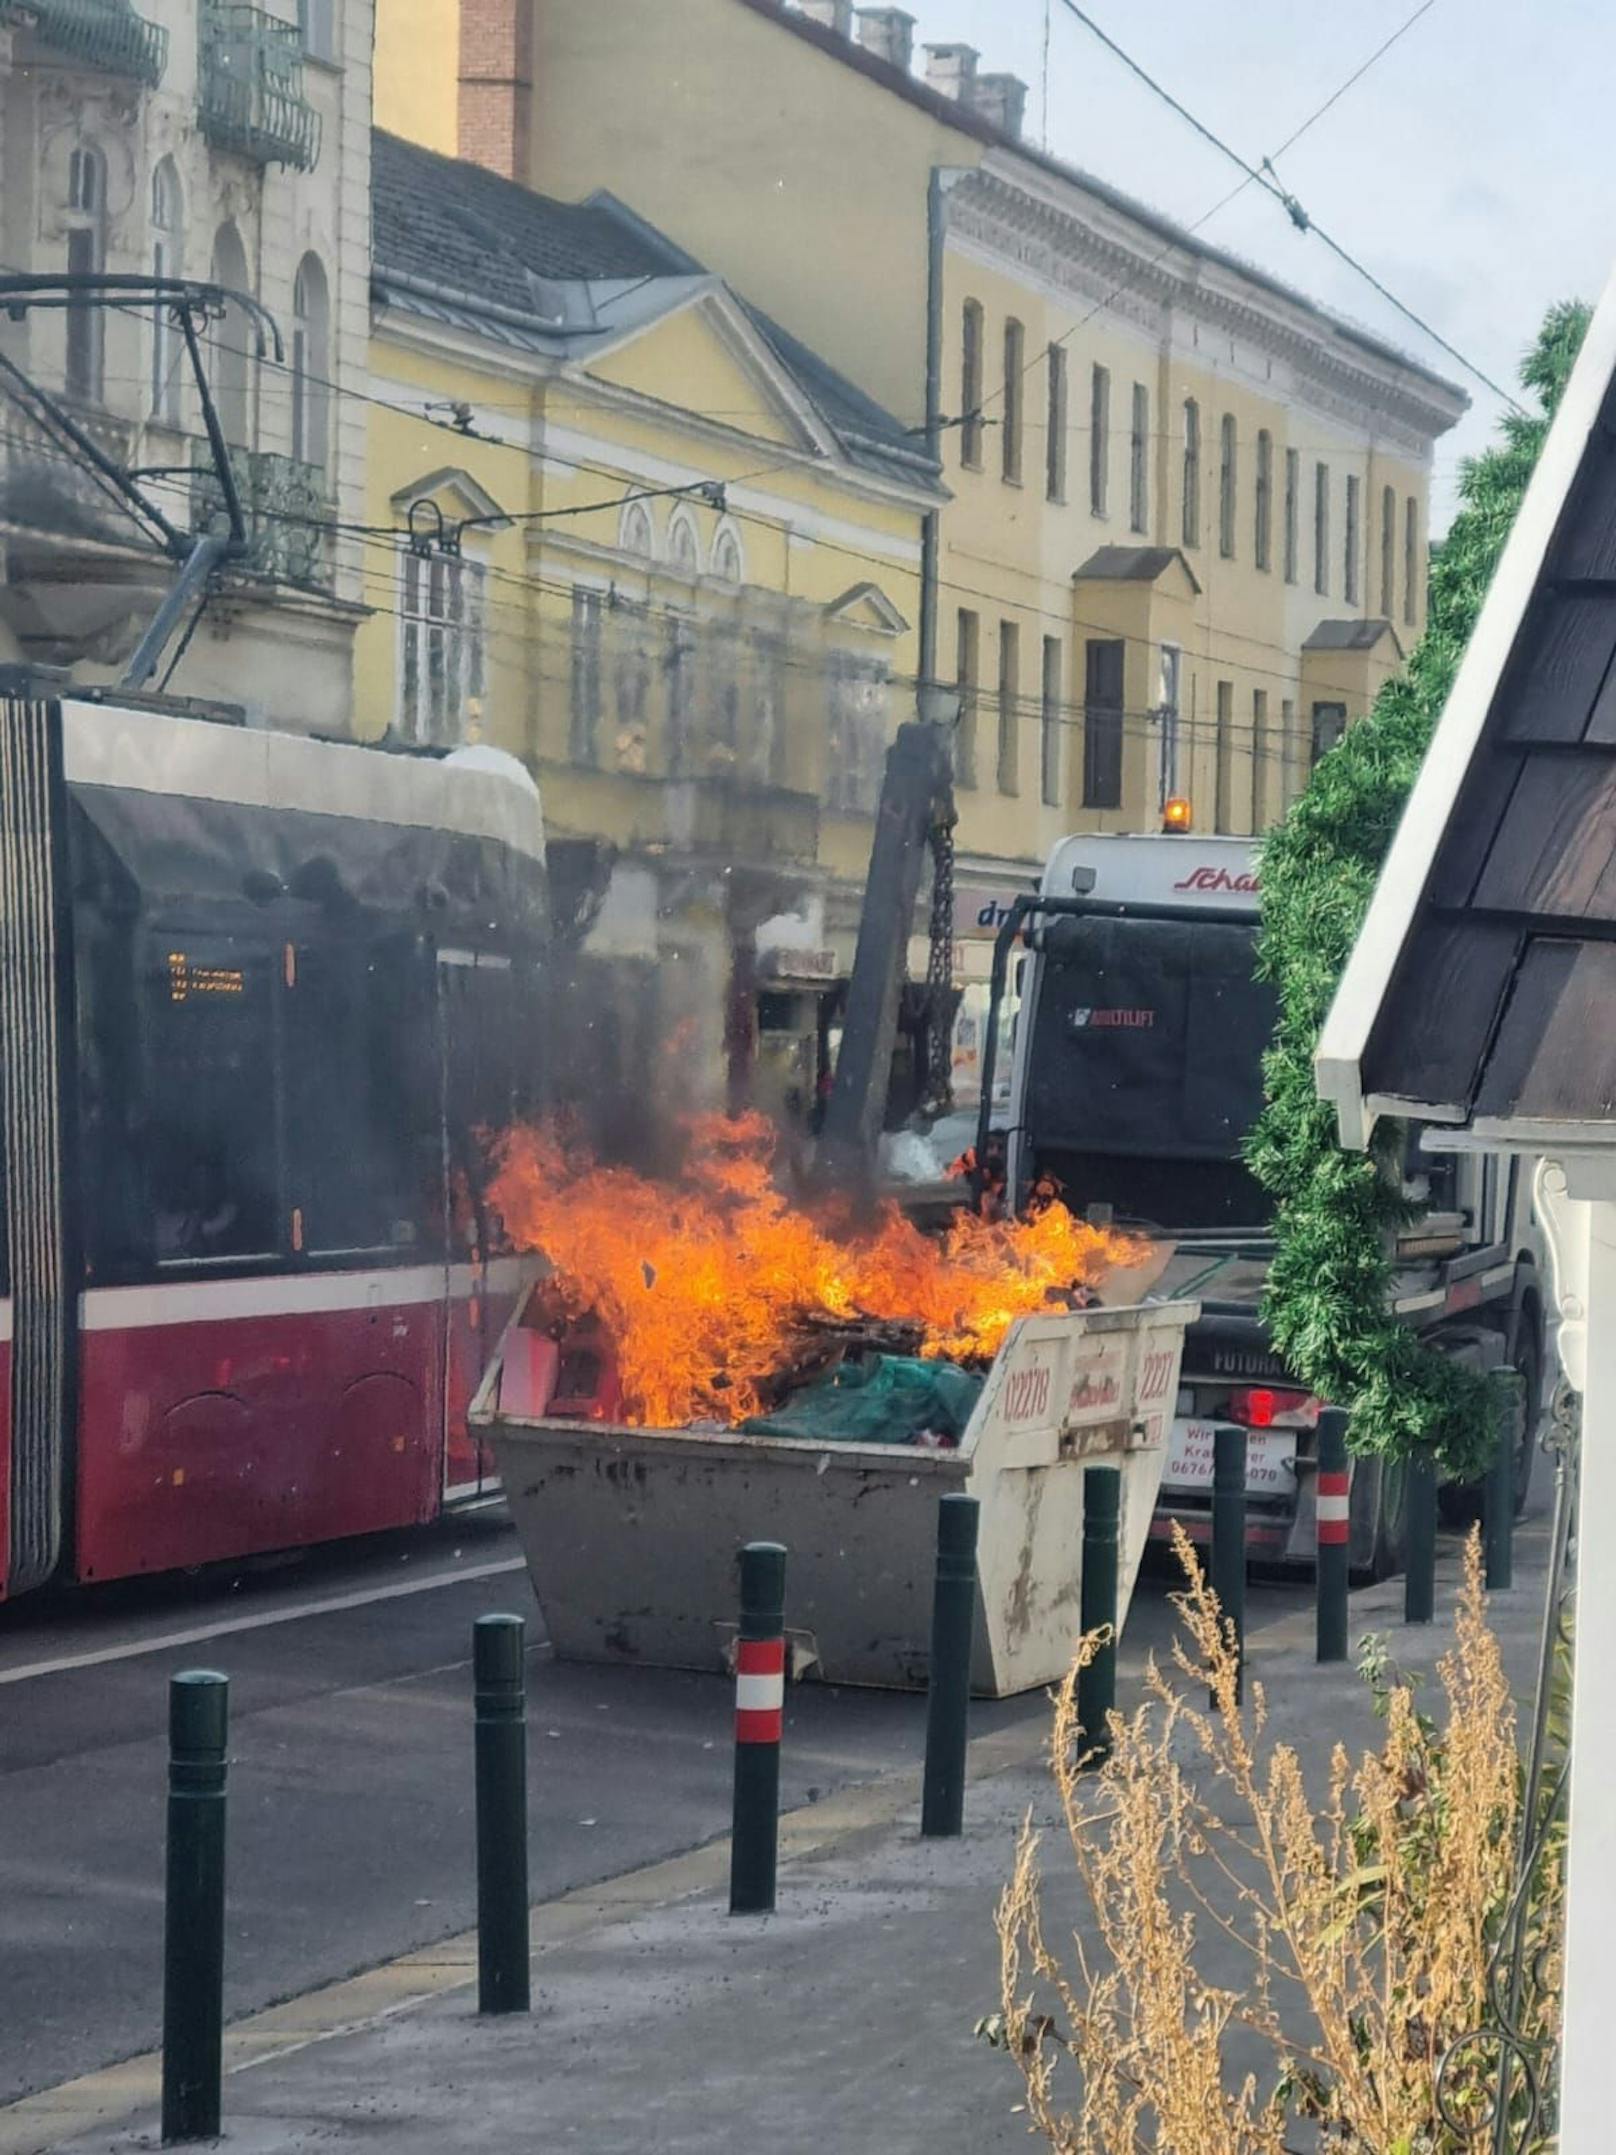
(1482, 992)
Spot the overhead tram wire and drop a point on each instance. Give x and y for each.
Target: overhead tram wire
(1266, 178)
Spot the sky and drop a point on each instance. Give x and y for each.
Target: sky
(1473, 169)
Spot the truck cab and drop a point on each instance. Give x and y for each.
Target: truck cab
(1137, 1074)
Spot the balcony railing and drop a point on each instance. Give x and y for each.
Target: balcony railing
(103, 34)
(285, 506)
(47, 487)
(250, 89)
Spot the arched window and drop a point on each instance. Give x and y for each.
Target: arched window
(233, 339)
(311, 364)
(728, 566)
(86, 222)
(634, 533)
(684, 548)
(1192, 472)
(168, 260)
(1388, 552)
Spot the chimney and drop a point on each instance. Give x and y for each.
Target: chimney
(1001, 101)
(889, 34)
(834, 15)
(951, 71)
(496, 85)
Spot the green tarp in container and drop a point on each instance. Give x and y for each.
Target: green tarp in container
(883, 1399)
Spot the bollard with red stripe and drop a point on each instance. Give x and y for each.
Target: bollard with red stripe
(1333, 1503)
(760, 1698)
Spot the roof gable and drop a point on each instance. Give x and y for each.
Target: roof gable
(1473, 994)
(866, 606)
(1136, 565)
(708, 345)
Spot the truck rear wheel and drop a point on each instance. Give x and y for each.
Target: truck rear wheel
(1461, 1502)
(1377, 1517)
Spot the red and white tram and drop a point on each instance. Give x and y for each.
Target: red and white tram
(260, 998)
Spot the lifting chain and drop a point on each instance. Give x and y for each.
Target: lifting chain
(939, 1089)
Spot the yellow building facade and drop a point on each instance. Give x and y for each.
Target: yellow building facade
(1186, 533)
(659, 551)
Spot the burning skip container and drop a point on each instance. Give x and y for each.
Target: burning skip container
(631, 1534)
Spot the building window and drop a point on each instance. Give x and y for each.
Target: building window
(728, 563)
(1223, 796)
(1354, 539)
(1009, 707)
(971, 386)
(636, 534)
(858, 732)
(311, 364)
(1228, 480)
(168, 260)
(1102, 723)
(1259, 758)
(1014, 368)
(1099, 439)
(1388, 552)
(1263, 531)
(1329, 724)
(1293, 491)
(1192, 472)
(1055, 431)
(1138, 461)
(679, 680)
(684, 546)
(631, 683)
(317, 20)
(768, 700)
(1167, 692)
(583, 723)
(1049, 718)
(1321, 529)
(967, 674)
(1287, 751)
(233, 339)
(1411, 561)
(441, 677)
(86, 257)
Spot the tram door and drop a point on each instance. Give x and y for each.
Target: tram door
(482, 1091)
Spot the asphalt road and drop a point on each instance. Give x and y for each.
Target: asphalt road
(350, 1813)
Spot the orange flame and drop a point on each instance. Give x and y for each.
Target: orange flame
(708, 1281)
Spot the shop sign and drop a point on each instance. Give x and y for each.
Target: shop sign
(980, 914)
(816, 966)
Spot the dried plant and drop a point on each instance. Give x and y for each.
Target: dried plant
(1364, 1918)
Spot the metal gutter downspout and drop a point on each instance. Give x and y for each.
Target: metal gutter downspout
(937, 186)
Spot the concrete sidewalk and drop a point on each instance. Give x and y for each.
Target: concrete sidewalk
(844, 2023)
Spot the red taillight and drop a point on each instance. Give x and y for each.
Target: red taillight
(1259, 1407)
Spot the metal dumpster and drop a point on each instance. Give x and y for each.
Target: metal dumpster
(631, 1535)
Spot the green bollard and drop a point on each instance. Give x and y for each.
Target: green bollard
(1097, 1681)
(499, 1680)
(193, 1916)
(948, 1687)
(1498, 1504)
(1419, 1579)
(1229, 1538)
(1333, 1508)
(760, 1698)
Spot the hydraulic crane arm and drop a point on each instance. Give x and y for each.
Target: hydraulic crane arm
(917, 798)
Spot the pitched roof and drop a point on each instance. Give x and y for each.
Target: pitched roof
(1133, 564)
(461, 245)
(1481, 987)
(1349, 635)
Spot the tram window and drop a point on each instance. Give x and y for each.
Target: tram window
(483, 1000)
(366, 1168)
(212, 1150)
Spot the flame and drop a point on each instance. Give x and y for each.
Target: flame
(710, 1281)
